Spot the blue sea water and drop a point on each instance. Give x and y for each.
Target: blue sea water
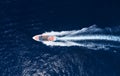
(20, 55)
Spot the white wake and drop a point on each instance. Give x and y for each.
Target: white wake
(91, 37)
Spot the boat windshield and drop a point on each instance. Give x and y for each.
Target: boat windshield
(40, 38)
(43, 38)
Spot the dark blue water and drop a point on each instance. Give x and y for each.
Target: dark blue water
(20, 55)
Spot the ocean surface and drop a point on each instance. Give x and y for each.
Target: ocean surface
(20, 55)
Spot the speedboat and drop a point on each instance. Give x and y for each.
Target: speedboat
(44, 38)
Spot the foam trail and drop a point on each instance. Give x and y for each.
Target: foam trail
(62, 43)
(57, 33)
(91, 37)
